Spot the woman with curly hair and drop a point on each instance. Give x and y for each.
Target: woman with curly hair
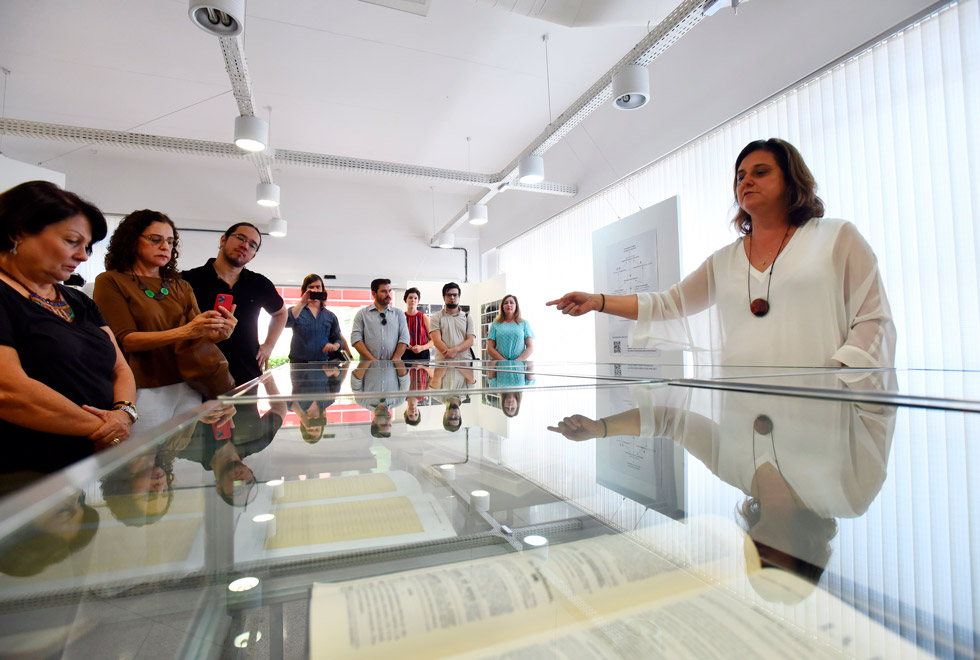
(154, 316)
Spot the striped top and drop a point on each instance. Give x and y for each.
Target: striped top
(419, 336)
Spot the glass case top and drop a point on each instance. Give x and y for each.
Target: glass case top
(481, 516)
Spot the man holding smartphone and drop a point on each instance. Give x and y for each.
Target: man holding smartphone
(226, 274)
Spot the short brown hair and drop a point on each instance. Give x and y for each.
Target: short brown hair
(801, 188)
(28, 208)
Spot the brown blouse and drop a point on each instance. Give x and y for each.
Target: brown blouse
(128, 309)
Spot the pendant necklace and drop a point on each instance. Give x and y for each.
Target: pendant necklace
(760, 307)
(164, 291)
(762, 425)
(58, 306)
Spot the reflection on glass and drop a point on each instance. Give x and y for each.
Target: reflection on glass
(141, 491)
(222, 441)
(317, 385)
(801, 464)
(50, 538)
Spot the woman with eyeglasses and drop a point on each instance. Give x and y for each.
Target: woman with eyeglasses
(154, 315)
(63, 379)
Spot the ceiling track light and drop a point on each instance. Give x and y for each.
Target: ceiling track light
(251, 133)
(221, 18)
(531, 169)
(478, 214)
(277, 227)
(444, 240)
(631, 87)
(267, 194)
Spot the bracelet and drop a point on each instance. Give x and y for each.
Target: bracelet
(123, 403)
(603, 301)
(605, 431)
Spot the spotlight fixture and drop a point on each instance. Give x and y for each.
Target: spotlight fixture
(244, 584)
(267, 194)
(444, 240)
(531, 169)
(478, 214)
(251, 133)
(631, 87)
(480, 500)
(221, 18)
(277, 227)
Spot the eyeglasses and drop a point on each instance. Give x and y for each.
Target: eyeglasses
(156, 239)
(245, 239)
(451, 295)
(384, 321)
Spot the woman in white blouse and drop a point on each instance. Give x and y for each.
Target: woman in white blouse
(824, 305)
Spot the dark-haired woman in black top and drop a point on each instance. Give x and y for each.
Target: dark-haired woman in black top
(65, 387)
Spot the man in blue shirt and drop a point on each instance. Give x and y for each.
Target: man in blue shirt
(380, 331)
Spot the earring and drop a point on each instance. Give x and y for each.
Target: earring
(13, 250)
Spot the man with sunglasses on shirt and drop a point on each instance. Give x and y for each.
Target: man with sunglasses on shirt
(251, 292)
(380, 331)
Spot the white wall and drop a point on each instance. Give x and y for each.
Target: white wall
(14, 172)
(353, 226)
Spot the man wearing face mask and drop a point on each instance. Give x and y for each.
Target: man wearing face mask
(451, 329)
(380, 331)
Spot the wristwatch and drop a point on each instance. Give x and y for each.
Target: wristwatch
(128, 408)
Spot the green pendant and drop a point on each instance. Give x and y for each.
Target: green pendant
(165, 291)
(149, 294)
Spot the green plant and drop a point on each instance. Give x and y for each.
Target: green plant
(277, 360)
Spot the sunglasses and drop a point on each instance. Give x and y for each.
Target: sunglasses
(384, 321)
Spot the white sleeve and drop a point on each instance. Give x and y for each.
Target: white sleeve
(662, 318)
(870, 339)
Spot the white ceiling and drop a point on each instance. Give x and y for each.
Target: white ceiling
(349, 78)
(343, 77)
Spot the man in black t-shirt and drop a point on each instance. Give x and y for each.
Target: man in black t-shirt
(227, 274)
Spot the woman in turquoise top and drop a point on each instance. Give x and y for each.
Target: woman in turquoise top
(510, 336)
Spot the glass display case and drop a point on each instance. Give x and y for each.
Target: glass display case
(503, 510)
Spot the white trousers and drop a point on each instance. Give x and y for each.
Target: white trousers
(157, 405)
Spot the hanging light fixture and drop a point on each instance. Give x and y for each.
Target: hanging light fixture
(277, 227)
(478, 214)
(444, 240)
(531, 169)
(631, 87)
(267, 194)
(221, 18)
(251, 133)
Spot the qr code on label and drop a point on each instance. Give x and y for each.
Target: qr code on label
(617, 347)
(617, 370)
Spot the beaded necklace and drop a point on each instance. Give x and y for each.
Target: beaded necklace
(58, 306)
(164, 291)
